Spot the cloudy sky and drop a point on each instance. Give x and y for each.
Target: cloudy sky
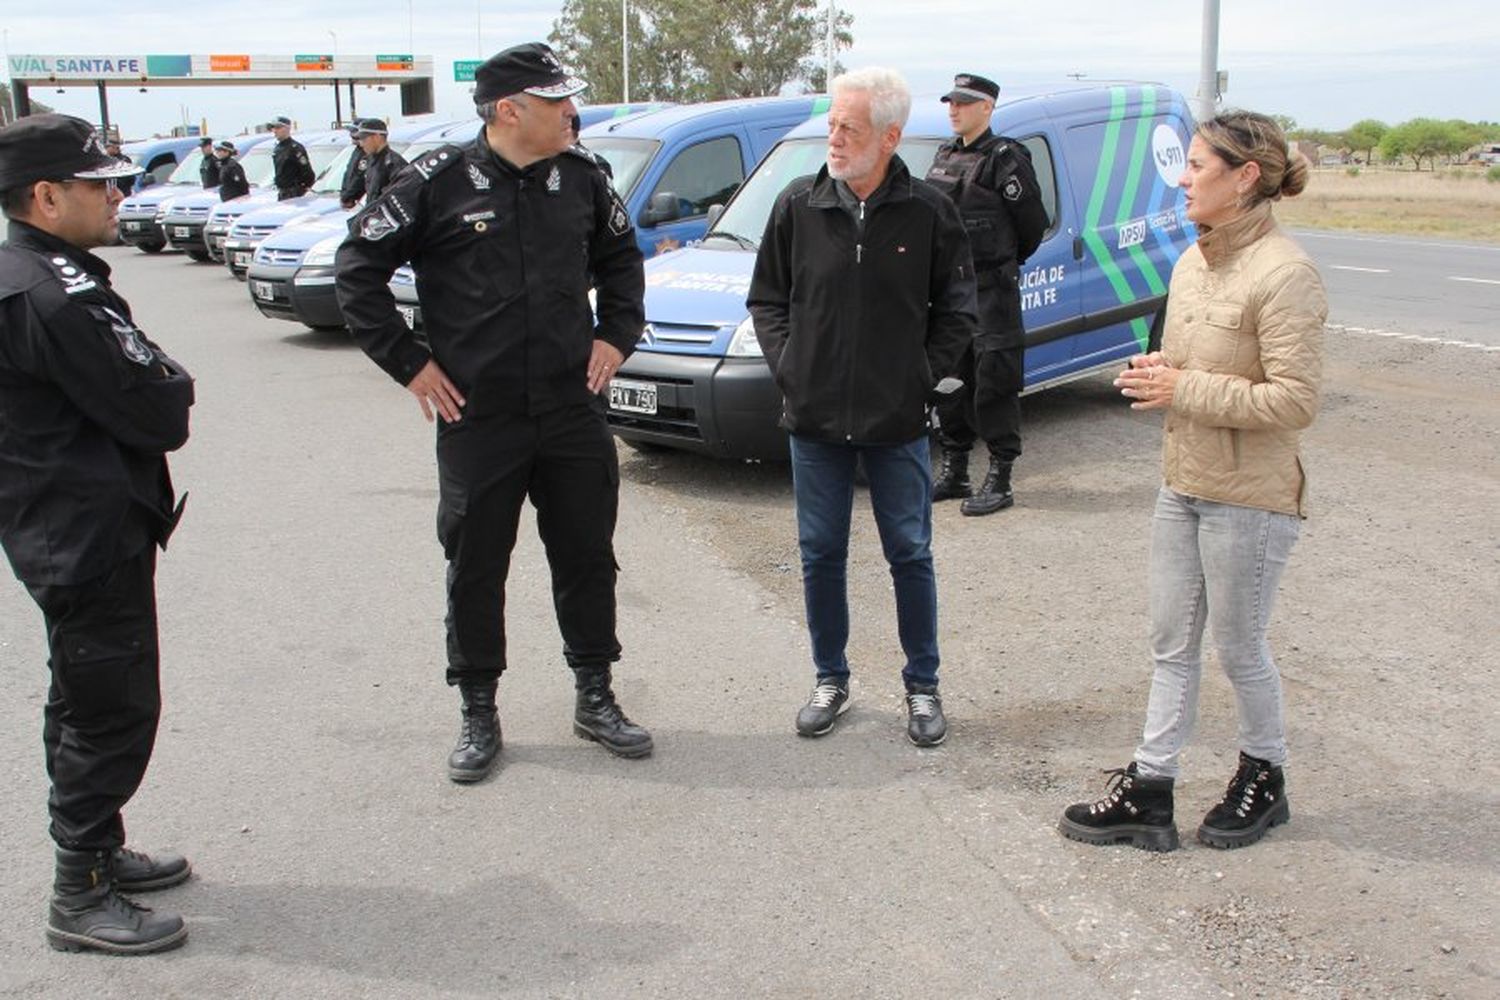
(1327, 63)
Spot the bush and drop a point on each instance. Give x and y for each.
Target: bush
(1352, 171)
(1493, 174)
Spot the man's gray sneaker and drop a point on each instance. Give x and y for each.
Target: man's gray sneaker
(925, 724)
(828, 701)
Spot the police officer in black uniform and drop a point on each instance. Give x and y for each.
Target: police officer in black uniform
(127, 183)
(89, 407)
(991, 180)
(208, 167)
(379, 163)
(294, 173)
(232, 180)
(506, 234)
(352, 187)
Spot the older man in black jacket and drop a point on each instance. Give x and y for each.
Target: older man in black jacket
(507, 233)
(89, 407)
(863, 298)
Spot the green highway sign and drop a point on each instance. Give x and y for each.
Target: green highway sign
(463, 69)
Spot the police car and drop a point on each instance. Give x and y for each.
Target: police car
(141, 214)
(1108, 160)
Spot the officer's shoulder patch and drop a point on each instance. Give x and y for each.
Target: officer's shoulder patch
(1012, 188)
(431, 164)
(378, 221)
(619, 218)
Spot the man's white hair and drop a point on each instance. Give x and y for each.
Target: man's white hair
(890, 97)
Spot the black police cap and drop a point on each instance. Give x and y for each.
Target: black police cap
(531, 68)
(55, 148)
(968, 88)
(368, 126)
(280, 121)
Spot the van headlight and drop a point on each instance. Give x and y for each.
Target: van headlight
(322, 253)
(743, 344)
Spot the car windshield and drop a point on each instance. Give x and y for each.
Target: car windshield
(187, 170)
(744, 220)
(260, 170)
(627, 158)
(331, 180)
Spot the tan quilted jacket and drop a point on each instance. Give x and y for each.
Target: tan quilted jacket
(1244, 322)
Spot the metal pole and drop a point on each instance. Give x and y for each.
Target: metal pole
(103, 109)
(478, 40)
(338, 105)
(10, 83)
(828, 43)
(625, 51)
(411, 35)
(1207, 99)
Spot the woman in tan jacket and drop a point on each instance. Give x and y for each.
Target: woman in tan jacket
(1237, 377)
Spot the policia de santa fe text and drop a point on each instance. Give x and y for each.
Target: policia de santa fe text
(89, 408)
(506, 234)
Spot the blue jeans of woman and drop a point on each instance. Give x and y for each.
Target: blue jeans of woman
(1215, 564)
(900, 478)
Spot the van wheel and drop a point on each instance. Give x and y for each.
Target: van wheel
(1153, 339)
(152, 247)
(201, 256)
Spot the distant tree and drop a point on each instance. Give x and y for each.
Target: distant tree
(686, 50)
(1423, 139)
(1364, 135)
(1287, 122)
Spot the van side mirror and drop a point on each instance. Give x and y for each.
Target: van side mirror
(663, 207)
(714, 211)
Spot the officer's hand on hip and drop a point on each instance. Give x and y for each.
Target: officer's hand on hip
(605, 360)
(435, 392)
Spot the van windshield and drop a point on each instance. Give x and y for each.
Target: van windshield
(627, 158)
(187, 170)
(744, 220)
(260, 171)
(331, 180)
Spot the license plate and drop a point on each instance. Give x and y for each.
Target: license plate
(632, 397)
(242, 258)
(263, 290)
(409, 314)
(181, 232)
(132, 227)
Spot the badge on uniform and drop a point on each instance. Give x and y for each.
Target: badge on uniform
(378, 224)
(1012, 189)
(478, 179)
(554, 180)
(619, 219)
(129, 339)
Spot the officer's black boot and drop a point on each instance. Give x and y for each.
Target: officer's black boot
(89, 914)
(953, 478)
(598, 716)
(994, 494)
(478, 735)
(136, 871)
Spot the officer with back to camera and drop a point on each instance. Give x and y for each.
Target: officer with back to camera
(294, 173)
(89, 408)
(380, 163)
(232, 181)
(506, 233)
(208, 166)
(352, 186)
(990, 179)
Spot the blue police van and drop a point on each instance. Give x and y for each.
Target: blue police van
(158, 158)
(142, 213)
(1108, 160)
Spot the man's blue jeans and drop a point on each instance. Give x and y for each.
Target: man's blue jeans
(900, 479)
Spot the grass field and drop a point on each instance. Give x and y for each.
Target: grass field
(1453, 202)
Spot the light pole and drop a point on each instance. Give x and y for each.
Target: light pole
(625, 51)
(1208, 68)
(828, 44)
(10, 83)
(338, 105)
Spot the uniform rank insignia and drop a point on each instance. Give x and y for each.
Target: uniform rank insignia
(129, 339)
(619, 219)
(74, 280)
(477, 178)
(554, 180)
(378, 224)
(1012, 189)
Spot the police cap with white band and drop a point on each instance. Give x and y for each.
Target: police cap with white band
(531, 68)
(55, 147)
(368, 126)
(968, 88)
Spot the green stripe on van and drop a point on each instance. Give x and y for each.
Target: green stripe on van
(820, 106)
(1096, 198)
(1138, 154)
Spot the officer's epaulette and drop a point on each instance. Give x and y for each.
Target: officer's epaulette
(435, 162)
(587, 156)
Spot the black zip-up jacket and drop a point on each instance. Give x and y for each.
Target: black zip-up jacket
(504, 259)
(860, 318)
(352, 187)
(232, 180)
(89, 407)
(294, 172)
(208, 171)
(379, 170)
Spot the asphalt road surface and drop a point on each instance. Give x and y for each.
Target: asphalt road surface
(300, 760)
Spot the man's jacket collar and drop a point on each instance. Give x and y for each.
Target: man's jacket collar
(23, 234)
(895, 187)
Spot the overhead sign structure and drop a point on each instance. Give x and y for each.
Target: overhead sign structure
(412, 73)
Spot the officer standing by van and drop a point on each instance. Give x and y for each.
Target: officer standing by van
(990, 179)
(294, 173)
(232, 180)
(208, 166)
(379, 163)
(507, 233)
(89, 408)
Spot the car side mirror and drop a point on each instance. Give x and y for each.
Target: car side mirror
(663, 207)
(714, 211)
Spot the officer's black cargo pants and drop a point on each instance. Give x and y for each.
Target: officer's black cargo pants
(993, 369)
(565, 462)
(99, 724)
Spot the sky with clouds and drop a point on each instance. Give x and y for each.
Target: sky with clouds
(1327, 63)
